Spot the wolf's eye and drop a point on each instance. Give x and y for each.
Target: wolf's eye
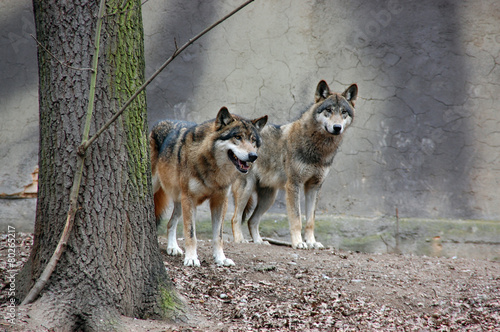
(344, 112)
(254, 139)
(237, 137)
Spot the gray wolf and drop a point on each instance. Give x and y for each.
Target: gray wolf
(295, 156)
(192, 163)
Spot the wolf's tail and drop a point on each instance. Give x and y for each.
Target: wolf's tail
(160, 197)
(161, 203)
(154, 151)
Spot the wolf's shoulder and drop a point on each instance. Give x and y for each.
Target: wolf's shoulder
(166, 132)
(273, 130)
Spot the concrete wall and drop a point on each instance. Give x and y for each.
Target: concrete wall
(425, 137)
(18, 112)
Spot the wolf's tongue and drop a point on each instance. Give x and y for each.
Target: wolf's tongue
(243, 164)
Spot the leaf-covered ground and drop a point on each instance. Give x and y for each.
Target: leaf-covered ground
(275, 288)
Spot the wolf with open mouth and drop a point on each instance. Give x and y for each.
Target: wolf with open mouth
(192, 163)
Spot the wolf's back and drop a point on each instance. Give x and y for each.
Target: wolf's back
(163, 135)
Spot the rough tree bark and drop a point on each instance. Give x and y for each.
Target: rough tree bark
(112, 265)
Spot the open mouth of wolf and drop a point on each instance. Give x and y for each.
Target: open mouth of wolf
(241, 165)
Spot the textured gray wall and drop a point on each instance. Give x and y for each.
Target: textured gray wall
(18, 96)
(425, 138)
(18, 112)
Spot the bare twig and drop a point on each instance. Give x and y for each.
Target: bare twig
(386, 244)
(397, 248)
(64, 64)
(75, 189)
(177, 51)
(277, 242)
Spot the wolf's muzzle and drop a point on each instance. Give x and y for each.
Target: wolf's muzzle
(337, 129)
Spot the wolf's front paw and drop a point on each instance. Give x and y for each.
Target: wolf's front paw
(300, 245)
(224, 262)
(260, 241)
(315, 245)
(174, 251)
(191, 262)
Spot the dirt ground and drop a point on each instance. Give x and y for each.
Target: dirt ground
(276, 288)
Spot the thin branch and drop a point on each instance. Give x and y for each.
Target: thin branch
(64, 64)
(388, 247)
(177, 51)
(277, 242)
(396, 249)
(397, 235)
(75, 189)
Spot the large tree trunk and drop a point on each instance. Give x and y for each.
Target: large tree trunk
(112, 265)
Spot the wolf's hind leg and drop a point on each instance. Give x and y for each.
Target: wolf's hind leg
(173, 248)
(265, 199)
(242, 191)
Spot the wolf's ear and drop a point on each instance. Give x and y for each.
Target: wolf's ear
(223, 118)
(322, 91)
(351, 93)
(260, 122)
